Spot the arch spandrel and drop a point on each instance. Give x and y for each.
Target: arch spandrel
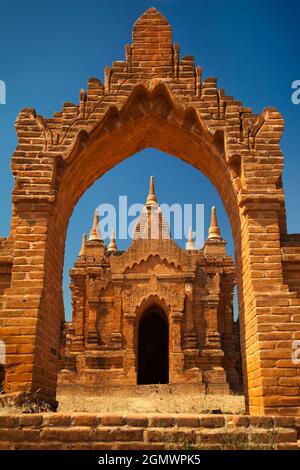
(64, 144)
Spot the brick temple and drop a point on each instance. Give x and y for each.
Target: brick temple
(155, 313)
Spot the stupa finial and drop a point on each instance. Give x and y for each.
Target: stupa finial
(95, 231)
(82, 251)
(214, 229)
(190, 245)
(112, 247)
(151, 199)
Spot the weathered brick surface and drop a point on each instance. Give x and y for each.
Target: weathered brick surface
(161, 421)
(189, 421)
(85, 419)
(153, 98)
(145, 431)
(211, 421)
(112, 420)
(136, 420)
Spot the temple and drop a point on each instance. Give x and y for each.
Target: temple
(155, 313)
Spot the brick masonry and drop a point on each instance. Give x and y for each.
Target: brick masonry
(153, 98)
(149, 431)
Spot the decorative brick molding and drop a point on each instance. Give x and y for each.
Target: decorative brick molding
(146, 431)
(153, 98)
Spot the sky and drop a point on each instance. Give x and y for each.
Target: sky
(49, 50)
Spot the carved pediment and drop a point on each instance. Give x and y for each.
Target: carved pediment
(154, 265)
(142, 250)
(133, 297)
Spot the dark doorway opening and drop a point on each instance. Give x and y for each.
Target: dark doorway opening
(153, 348)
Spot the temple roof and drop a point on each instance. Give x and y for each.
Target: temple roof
(151, 224)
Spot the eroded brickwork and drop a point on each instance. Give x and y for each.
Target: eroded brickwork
(153, 98)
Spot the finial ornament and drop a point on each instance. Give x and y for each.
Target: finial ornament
(151, 199)
(95, 232)
(190, 245)
(214, 230)
(112, 247)
(82, 251)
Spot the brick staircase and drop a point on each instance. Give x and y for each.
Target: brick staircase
(145, 431)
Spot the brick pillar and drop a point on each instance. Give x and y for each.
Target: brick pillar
(176, 358)
(211, 352)
(211, 303)
(212, 340)
(130, 352)
(272, 313)
(32, 309)
(116, 336)
(211, 355)
(190, 339)
(93, 307)
(78, 313)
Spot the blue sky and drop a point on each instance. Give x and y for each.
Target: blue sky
(49, 50)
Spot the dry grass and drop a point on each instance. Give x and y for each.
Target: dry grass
(29, 407)
(141, 399)
(154, 402)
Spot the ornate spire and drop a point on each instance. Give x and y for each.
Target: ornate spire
(151, 199)
(112, 247)
(95, 232)
(190, 245)
(214, 230)
(151, 223)
(82, 251)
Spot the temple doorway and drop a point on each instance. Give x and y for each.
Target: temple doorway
(153, 348)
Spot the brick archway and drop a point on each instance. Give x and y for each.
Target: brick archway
(154, 98)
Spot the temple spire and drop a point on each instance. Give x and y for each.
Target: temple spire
(190, 245)
(214, 230)
(112, 247)
(151, 199)
(95, 232)
(82, 251)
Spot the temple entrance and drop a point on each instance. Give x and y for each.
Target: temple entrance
(153, 348)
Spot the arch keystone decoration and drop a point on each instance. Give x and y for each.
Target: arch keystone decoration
(154, 98)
